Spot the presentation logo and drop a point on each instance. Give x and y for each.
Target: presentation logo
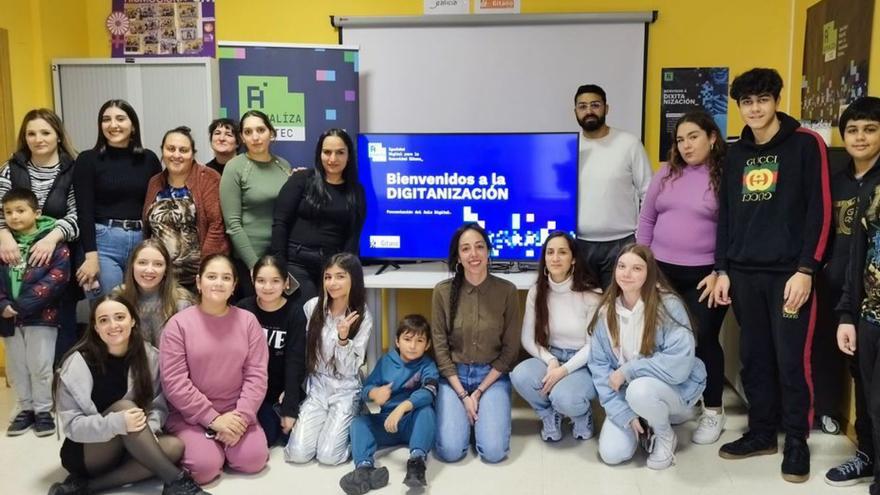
(269, 95)
(385, 241)
(377, 153)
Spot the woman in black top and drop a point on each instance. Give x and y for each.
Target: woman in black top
(319, 212)
(110, 182)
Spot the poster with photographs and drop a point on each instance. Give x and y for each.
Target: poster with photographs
(837, 48)
(156, 28)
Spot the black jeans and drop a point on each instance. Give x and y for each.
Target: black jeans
(868, 349)
(707, 325)
(601, 257)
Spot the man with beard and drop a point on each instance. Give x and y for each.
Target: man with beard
(613, 177)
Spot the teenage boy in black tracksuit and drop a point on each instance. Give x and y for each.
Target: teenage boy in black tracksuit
(860, 300)
(774, 217)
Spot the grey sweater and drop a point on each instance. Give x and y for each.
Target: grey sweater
(80, 418)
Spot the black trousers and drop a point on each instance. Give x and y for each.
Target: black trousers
(601, 257)
(828, 363)
(868, 350)
(775, 353)
(707, 325)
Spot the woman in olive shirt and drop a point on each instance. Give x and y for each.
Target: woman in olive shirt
(476, 338)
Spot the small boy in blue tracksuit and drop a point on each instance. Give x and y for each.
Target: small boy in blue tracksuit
(404, 384)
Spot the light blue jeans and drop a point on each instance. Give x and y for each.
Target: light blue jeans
(492, 428)
(656, 402)
(114, 245)
(570, 396)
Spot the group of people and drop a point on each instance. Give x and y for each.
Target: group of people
(228, 303)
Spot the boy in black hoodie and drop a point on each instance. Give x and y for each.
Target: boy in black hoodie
(774, 217)
(860, 300)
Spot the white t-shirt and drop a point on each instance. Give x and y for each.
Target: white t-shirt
(613, 176)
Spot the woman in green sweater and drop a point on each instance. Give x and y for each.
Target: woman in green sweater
(248, 190)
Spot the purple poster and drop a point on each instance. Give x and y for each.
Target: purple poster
(162, 28)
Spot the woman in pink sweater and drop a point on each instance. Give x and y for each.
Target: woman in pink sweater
(213, 362)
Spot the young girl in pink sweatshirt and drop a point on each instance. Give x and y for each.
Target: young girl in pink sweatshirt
(213, 363)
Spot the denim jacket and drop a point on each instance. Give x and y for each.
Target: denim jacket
(673, 362)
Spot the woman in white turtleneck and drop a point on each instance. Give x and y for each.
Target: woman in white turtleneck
(642, 361)
(555, 381)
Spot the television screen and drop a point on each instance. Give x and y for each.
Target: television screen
(421, 187)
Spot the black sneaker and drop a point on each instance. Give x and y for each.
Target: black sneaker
(72, 485)
(859, 468)
(364, 479)
(21, 423)
(183, 485)
(415, 473)
(44, 424)
(795, 460)
(749, 445)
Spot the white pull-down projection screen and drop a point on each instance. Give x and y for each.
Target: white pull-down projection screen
(496, 73)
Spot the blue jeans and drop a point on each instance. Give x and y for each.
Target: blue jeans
(115, 245)
(416, 428)
(570, 396)
(271, 423)
(492, 428)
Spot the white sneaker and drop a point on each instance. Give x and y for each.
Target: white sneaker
(663, 453)
(709, 427)
(551, 430)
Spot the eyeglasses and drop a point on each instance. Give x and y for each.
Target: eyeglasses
(593, 105)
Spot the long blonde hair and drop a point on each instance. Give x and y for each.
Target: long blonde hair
(654, 289)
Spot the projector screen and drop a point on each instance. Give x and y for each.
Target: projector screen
(496, 73)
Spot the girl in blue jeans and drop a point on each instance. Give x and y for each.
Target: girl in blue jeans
(643, 361)
(475, 331)
(555, 381)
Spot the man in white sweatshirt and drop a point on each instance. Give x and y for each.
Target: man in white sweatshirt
(613, 177)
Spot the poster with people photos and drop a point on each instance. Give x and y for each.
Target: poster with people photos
(158, 28)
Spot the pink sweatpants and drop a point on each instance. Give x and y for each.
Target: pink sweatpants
(204, 458)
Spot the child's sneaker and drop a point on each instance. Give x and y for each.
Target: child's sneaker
(44, 424)
(415, 473)
(551, 429)
(364, 479)
(856, 470)
(582, 426)
(709, 427)
(21, 423)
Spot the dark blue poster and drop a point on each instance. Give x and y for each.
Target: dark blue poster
(688, 89)
(304, 90)
(421, 187)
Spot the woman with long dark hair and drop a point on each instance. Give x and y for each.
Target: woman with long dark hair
(678, 222)
(182, 207)
(555, 381)
(476, 333)
(642, 360)
(320, 212)
(338, 330)
(110, 401)
(248, 190)
(110, 182)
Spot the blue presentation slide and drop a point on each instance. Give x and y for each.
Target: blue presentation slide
(421, 187)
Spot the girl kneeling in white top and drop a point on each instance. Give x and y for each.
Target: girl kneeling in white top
(556, 381)
(642, 360)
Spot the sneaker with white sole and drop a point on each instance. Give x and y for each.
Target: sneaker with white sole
(858, 469)
(551, 429)
(663, 452)
(709, 427)
(582, 426)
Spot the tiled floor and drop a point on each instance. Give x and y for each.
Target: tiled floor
(28, 465)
